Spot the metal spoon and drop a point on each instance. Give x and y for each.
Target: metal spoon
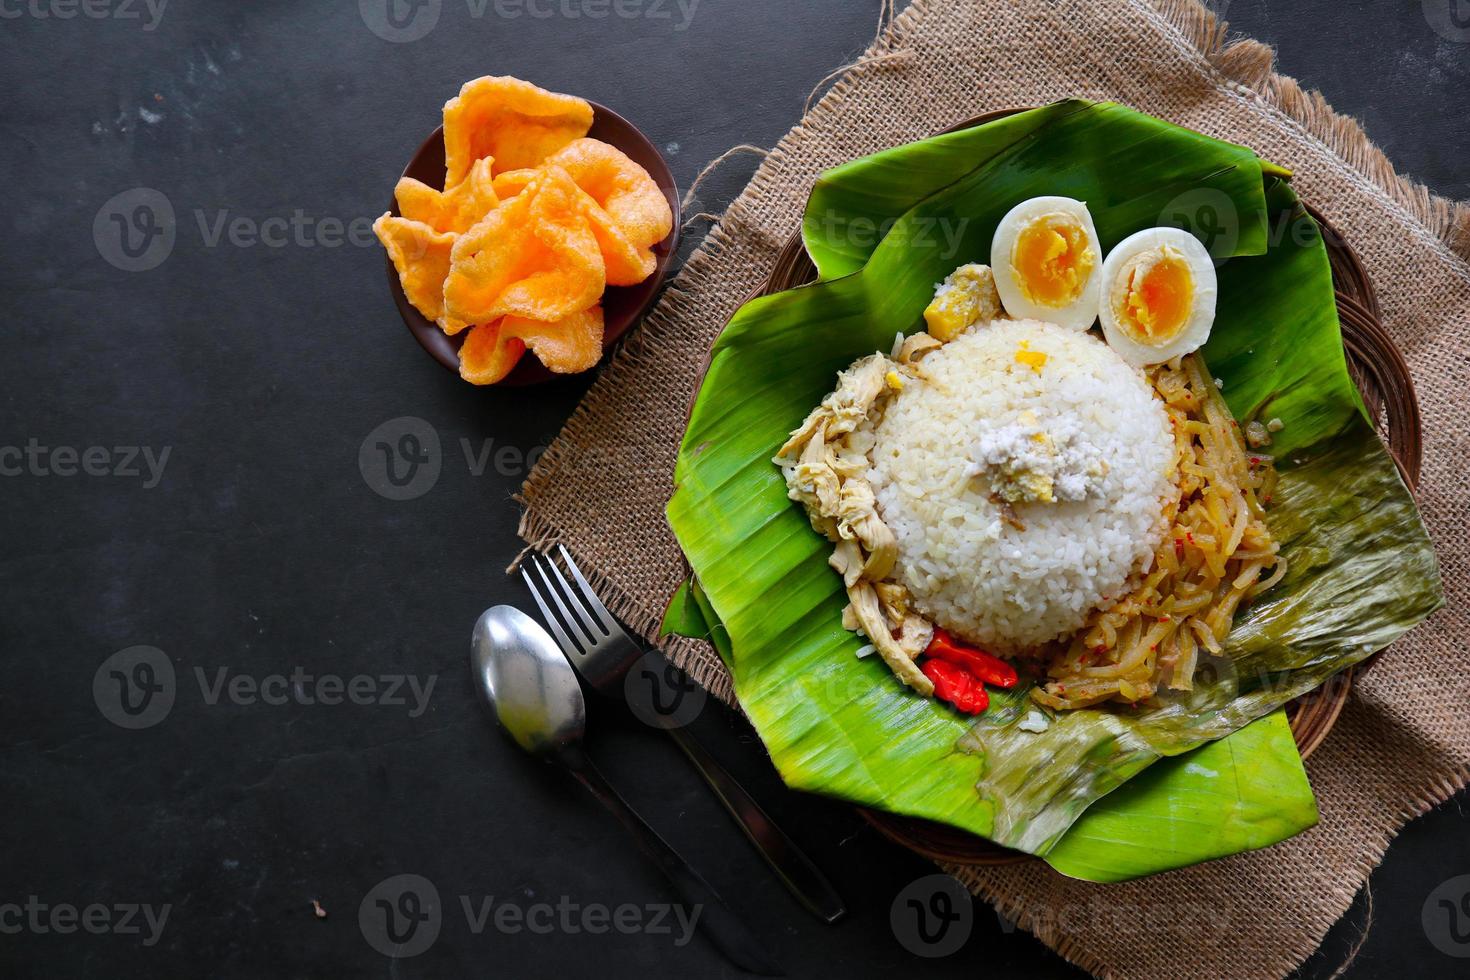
(534, 692)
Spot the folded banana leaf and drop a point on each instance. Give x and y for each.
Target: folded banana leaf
(1362, 570)
(1243, 792)
(683, 616)
(853, 206)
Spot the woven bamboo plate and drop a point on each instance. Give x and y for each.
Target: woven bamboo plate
(1382, 377)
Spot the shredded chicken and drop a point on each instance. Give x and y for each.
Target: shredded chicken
(915, 346)
(824, 461)
(857, 517)
(895, 653)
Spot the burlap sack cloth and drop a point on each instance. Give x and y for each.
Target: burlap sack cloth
(1403, 743)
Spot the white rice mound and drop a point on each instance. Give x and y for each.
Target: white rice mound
(968, 570)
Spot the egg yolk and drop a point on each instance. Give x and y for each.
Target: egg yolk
(1157, 298)
(1052, 259)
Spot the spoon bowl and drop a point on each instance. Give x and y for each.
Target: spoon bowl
(523, 676)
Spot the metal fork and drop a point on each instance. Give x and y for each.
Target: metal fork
(603, 652)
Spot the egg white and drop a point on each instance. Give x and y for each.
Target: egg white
(1081, 312)
(1195, 329)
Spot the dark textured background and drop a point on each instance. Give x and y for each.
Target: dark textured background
(263, 549)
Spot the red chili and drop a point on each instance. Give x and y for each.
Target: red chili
(956, 685)
(991, 670)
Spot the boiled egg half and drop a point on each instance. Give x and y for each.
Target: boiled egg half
(1047, 262)
(1158, 296)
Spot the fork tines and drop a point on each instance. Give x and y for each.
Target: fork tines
(585, 617)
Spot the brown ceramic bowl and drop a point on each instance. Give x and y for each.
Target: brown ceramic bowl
(622, 306)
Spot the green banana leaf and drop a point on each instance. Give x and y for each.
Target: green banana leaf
(1243, 792)
(683, 616)
(1362, 568)
(853, 206)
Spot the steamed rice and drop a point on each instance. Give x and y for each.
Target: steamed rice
(967, 565)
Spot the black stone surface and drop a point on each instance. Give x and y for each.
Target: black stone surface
(260, 550)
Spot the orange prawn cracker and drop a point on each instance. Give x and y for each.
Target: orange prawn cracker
(626, 264)
(517, 123)
(454, 210)
(620, 186)
(512, 182)
(422, 257)
(535, 256)
(567, 346)
(489, 354)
